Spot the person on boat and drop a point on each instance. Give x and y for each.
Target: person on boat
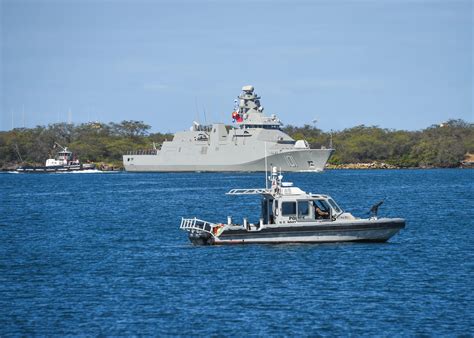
(319, 212)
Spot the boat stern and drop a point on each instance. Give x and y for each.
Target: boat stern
(200, 232)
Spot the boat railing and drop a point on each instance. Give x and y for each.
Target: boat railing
(142, 152)
(257, 191)
(196, 224)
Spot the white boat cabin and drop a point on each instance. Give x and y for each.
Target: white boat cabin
(285, 204)
(293, 205)
(64, 157)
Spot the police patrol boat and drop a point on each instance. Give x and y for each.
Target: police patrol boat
(290, 215)
(242, 147)
(65, 161)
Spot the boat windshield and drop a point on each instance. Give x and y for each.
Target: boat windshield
(334, 205)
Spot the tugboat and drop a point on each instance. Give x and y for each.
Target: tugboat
(65, 161)
(290, 215)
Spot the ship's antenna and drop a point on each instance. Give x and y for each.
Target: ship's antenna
(205, 117)
(197, 109)
(266, 177)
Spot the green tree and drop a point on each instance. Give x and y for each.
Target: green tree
(132, 129)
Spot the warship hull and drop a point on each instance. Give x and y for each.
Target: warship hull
(380, 230)
(288, 161)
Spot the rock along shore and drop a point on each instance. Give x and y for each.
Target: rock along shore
(372, 165)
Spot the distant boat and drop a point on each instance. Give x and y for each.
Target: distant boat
(63, 162)
(255, 142)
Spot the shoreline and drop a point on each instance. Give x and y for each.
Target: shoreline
(382, 165)
(346, 166)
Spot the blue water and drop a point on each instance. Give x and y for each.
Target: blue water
(102, 254)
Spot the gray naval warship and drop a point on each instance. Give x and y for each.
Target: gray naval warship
(254, 142)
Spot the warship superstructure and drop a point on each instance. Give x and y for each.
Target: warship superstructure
(254, 143)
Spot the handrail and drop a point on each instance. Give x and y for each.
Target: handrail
(255, 191)
(142, 152)
(189, 224)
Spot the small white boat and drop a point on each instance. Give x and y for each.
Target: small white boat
(290, 215)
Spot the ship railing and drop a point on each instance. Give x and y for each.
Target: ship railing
(196, 224)
(142, 152)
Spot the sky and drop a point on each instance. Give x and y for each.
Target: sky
(394, 64)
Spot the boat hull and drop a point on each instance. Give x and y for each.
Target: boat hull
(288, 161)
(55, 169)
(379, 230)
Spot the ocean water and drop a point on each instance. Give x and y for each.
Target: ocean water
(103, 254)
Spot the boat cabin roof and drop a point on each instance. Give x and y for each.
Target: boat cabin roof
(287, 193)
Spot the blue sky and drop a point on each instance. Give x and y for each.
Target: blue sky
(395, 64)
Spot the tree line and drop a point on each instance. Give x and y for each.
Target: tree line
(443, 145)
(95, 142)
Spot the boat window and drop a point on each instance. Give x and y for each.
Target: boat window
(322, 209)
(321, 205)
(267, 211)
(288, 208)
(270, 212)
(303, 208)
(334, 205)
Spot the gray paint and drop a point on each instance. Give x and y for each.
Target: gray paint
(214, 148)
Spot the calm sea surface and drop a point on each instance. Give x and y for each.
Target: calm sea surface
(103, 254)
